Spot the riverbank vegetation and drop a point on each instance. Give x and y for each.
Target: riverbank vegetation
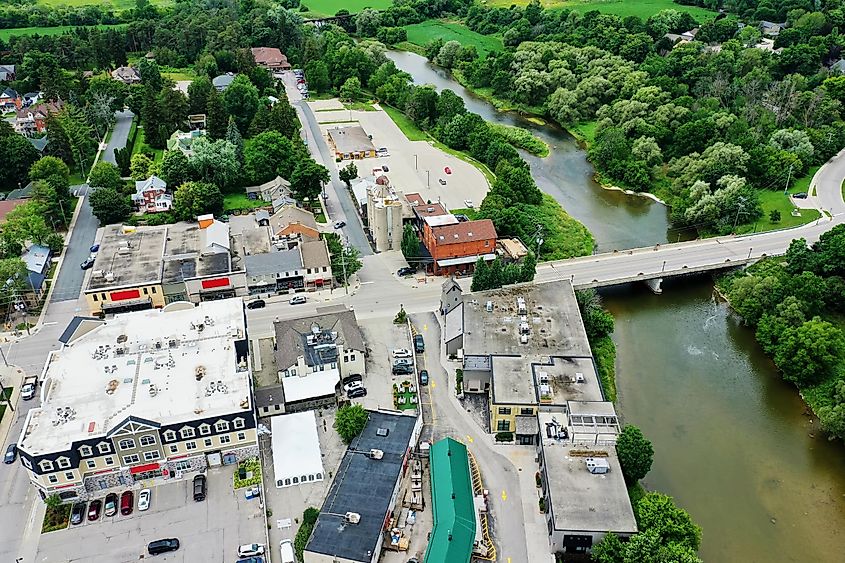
(422, 34)
(796, 306)
(598, 324)
(521, 139)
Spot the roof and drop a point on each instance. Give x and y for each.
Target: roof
(560, 380)
(466, 259)
(467, 231)
(159, 365)
(439, 220)
(291, 214)
(512, 383)
(453, 534)
(36, 258)
(129, 258)
(290, 333)
(7, 205)
(40, 143)
(350, 139)
(315, 254)
(268, 56)
(9, 93)
(432, 210)
(126, 73)
(314, 385)
(269, 396)
(152, 182)
(365, 486)
(296, 446)
(415, 199)
(215, 237)
(22, 193)
(266, 263)
(223, 81)
(77, 327)
(277, 184)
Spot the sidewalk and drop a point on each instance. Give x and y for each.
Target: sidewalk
(11, 376)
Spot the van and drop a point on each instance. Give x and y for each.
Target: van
(286, 548)
(419, 344)
(199, 488)
(162, 546)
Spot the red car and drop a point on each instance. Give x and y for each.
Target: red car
(127, 501)
(447, 170)
(94, 509)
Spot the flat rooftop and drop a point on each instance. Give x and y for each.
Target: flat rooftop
(363, 485)
(551, 312)
(144, 364)
(296, 446)
(567, 379)
(128, 259)
(192, 252)
(351, 139)
(512, 381)
(580, 500)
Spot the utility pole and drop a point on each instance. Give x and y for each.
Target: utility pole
(788, 177)
(740, 209)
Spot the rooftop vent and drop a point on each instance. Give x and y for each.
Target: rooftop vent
(110, 277)
(352, 517)
(376, 454)
(382, 432)
(199, 373)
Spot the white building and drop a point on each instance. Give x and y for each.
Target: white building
(296, 449)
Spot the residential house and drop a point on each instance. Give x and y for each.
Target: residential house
(33, 119)
(184, 140)
(292, 222)
(275, 189)
(7, 73)
(689, 35)
(39, 143)
(31, 98)
(10, 100)
(270, 58)
(127, 75)
(7, 205)
(37, 260)
(223, 81)
(196, 121)
(771, 29)
(151, 195)
(351, 143)
(22, 193)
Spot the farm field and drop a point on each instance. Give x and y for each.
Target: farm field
(641, 8)
(115, 4)
(422, 33)
(331, 7)
(5, 34)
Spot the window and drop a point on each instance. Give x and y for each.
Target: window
(95, 297)
(352, 358)
(241, 436)
(334, 365)
(109, 460)
(293, 371)
(183, 465)
(221, 426)
(174, 448)
(295, 480)
(69, 476)
(239, 423)
(91, 464)
(504, 410)
(277, 407)
(154, 289)
(63, 462)
(85, 451)
(103, 447)
(310, 477)
(207, 442)
(26, 463)
(45, 465)
(126, 444)
(148, 440)
(169, 435)
(190, 446)
(205, 429)
(529, 411)
(287, 482)
(53, 479)
(146, 291)
(319, 476)
(225, 439)
(130, 459)
(503, 426)
(187, 432)
(151, 455)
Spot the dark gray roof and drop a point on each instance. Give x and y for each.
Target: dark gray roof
(73, 325)
(40, 143)
(362, 485)
(272, 262)
(291, 333)
(22, 193)
(269, 396)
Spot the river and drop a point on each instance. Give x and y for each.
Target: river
(732, 442)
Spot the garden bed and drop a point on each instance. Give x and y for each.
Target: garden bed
(252, 467)
(405, 396)
(56, 518)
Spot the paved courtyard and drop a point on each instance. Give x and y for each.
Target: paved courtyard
(209, 531)
(382, 337)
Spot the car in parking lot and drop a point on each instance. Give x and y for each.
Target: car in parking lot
(257, 304)
(11, 453)
(800, 195)
(94, 248)
(468, 203)
(403, 361)
(127, 501)
(77, 513)
(352, 378)
(255, 559)
(424, 377)
(87, 263)
(352, 385)
(357, 392)
(162, 546)
(419, 344)
(447, 170)
(402, 369)
(94, 509)
(144, 499)
(402, 353)
(406, 271)
(111, 505)
(250, 549)
(442, 181)
(339, 224)
(286, 548)
(200, 483)
(385, 168)
(298, 300)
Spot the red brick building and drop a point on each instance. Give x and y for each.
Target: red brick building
(456, 246)
(270, 58)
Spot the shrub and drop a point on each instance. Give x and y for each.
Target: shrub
(504, 436)
(309, 518)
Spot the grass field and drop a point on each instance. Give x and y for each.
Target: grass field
(331, 7)
(422, 33)
(5, 34)
(641, 8)
(408, 127)
(115, 4)
(771, 200)
(240, 201)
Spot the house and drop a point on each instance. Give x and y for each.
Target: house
(7, 73)
(33, 119)
(132, 420)
(22, 193)
(270, 58)
(689, 35)
(127, 75)
(151, 195)
(455, 246)
(294, 222)
(351, 142)
(838, 66)
(30, 98)
(771, 29)
(223, 81)
(276, 188)
(196, 121)
(39, 143)
(10, 100)
(7, 205)
(37, 260)
(184, 140)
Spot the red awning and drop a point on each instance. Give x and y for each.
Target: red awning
(218, 282)
(143, 468)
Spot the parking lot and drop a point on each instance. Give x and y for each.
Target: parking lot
(382, 337)
(209, 531)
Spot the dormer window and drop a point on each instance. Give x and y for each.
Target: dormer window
(63, 462)
(205, 429)
(45, 465)
(103, 447)
(221, 426)
(85, 451)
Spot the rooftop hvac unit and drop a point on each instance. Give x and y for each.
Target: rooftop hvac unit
(382, 432)
(520, 305)
(110, 277)
(352, 517)
(524, 327)
(523, 339)
(376, 454)
(579, 377)
(98, 274)
(597, 466)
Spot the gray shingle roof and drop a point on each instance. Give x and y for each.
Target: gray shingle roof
(272, 262)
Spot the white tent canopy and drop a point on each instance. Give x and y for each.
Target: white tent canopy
(296, 449)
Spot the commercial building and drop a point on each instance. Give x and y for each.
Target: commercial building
(350, 526)
(270, 58)
(313, 353)
(143, 396)
(296, 449)
(148, 267)
(351, 142)
(453, 536)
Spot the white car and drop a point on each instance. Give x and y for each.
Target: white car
(402, 353)
(144, 499)
(286, 548)
(250, 550)
(352, 385)
(298, 300)
(468, 203)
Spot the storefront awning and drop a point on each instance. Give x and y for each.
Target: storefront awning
(143, 468)
(465, 260)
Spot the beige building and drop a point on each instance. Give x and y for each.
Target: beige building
(384, 216)
(163, 393)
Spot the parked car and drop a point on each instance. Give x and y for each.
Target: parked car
(442, 181)
(257, 304)
(286, 547)
(127, 501)
(256, 559)
(402, 353)
(357, 392)
(199, 487)
(87, 263)
(352, 385)
(77, 513)
(403, 361)
(800, 195)
(94, 248)
(402, 369)
(419, 344)
(11, 453)
(468, 203)
(424, 377)
(406, 271)
(298, 300)
(144, 499)
(162, 546)
(447, 170)
(250, 549)
(339, 224)
(352, 378)
(252, 492)
(111, 505)
(385, 168)
(94, 509)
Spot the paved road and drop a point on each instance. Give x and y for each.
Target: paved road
(120, 133)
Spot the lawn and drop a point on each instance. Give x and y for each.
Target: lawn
(408, 127)
(235, 201)
(471, 214)
(641, 8)
(771, 200)
(422, 33)
(7, 394)
(115, 4)
(141, 146)
(331, 7)
(5, 34)
(584, 132)
(802, 184)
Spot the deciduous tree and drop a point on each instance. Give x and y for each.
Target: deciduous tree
(109, 205)
(636, 453)
(193, 199)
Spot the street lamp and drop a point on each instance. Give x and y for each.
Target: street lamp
(749, 253)
(663, 269)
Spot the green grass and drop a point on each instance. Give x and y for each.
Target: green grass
(5, 34)
(359, 106)
(142, 146)
(565, 237)
(115, 4)
(642, 8)
(232, 202)
(604, 351)
(843, 190)
(521, 139)
(471, 214)
(411, 47)
(422, 33)
(771, 200)
(331, 7)
(76, 178)
(584, 132)
(408, 127)
(7, 394)
(802, 184)
(184, 74)
(526, 110)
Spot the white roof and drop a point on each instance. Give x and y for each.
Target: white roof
(216, 234)
(145, 365)
(313, 385)
(296, 445)
(151, 182)
(440, 220)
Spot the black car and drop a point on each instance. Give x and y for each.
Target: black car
(385, 168)
(403, 369)
(199, 488)
(406, 271)
(11, 453)
(357, 392)
(87, 263)
(163, 546)
(257, 304)
(424, 377)
(77, 513)
(419, 344)
(800, 195)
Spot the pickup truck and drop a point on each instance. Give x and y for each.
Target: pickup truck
(30, 383)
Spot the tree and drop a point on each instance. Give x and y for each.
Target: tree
(283, 119)
(139, 167)
(805, 354)
(105, 175)
(658, 512)
(268, 155)
(367, 22)
(609, 550)
(350, 421)
(150, 75)
(54, 501)
(198, 93)
(346, 260)
(774, 216)
(13, 272)
(55, 242)
(241, 101)
(175, 169)
(123, 158)
(26, 222)
(351, 89)
(18, 156)
(215, 162)
(832, 417)
(234, 137)
(193, 199)
(410, 245)
(52, 170)
(318, 76)
(635, 453)
(348, 173)
(109, 205)
(308, 178)
(448, 54)
(216, 117)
